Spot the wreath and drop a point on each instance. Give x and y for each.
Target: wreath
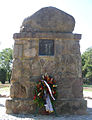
(45, 92)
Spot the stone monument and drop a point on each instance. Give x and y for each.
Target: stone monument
(46, 44)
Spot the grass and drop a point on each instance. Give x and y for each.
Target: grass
(85, 85)
(4, 88)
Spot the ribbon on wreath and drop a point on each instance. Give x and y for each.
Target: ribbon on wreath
(48, 105)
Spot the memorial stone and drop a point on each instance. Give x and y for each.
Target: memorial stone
(46, 43)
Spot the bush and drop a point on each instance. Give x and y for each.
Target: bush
(2, 75)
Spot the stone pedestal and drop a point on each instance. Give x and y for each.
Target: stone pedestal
(47, 44)
(64, 106)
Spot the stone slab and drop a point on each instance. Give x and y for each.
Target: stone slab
(49, 19)
(63, 106)
(46, 35)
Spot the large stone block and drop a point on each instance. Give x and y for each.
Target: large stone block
(22, 89)
(30, 53)
(29, 44)
(26, 69)
(20, 106)
(17, 90)
(71, 106)
(70, 47)
(49, 67)
(77, 89)
(17, 70)
(63, 106)
(18, 51)
(49, 19)
(36, 68)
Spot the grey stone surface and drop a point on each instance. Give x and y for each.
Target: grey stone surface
(18, 50)
(30, 53)
(49, 19)
(46, 35)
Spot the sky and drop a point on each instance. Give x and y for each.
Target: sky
(13, 12)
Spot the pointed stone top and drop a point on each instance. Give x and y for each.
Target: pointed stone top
(49, 19)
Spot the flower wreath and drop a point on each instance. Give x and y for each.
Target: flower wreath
(45, 92)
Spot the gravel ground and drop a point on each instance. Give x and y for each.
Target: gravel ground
(4, 116)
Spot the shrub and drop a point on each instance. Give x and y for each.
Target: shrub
(2, 75)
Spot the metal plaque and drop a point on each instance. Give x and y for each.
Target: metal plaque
(46, 47)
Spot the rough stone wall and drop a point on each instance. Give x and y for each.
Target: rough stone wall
(64, 66)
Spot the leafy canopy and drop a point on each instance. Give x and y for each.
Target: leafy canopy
(87, 65)
(6, 61)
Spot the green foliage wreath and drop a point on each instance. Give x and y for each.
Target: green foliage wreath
(40, 87)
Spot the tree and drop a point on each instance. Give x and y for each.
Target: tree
(2, 75)
(87, 66)
(6, 61)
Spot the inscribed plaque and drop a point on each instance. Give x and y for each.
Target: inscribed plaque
(46, 47)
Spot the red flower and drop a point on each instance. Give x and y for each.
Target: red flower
(54, 92)
(40, 96)
(54, 81)
(50, 82)
(42, 87)
(34, 97)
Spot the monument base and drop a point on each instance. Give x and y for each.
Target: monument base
(64, 106)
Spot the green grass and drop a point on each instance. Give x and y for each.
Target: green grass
(4, 88)
(85, 85)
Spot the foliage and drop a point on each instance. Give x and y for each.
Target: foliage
(2, 75)
(6, 61)
(87, 66)
(41, 89)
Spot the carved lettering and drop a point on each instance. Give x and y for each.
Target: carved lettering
(46, 47)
